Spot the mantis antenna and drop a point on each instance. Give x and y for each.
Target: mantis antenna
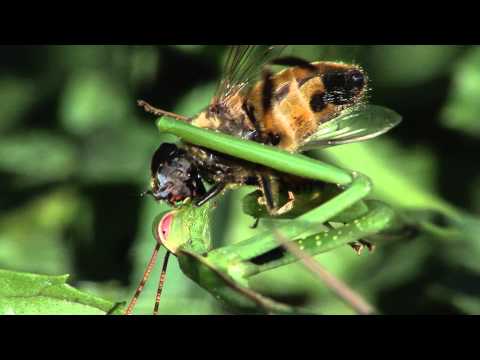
(146, 275)
(161, 282)
(163, 275)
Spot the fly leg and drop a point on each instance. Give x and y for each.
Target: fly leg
(211, 193)
(255, 224)
(270, 189)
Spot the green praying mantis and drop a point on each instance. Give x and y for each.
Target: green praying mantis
(225, 271)
(320, 219)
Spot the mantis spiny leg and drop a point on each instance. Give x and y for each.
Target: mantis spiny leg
(379, 218)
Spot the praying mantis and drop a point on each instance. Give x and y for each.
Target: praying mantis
(225, 271)
(333, 213)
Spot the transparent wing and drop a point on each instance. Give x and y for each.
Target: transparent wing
(242, 66)
(362, 123)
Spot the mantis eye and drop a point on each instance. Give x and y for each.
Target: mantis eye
(164, 227)
(163, 230)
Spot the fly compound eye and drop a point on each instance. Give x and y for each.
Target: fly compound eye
(165, 153)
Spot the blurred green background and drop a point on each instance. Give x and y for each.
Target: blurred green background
(75, 154)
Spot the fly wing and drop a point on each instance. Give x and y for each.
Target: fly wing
(359, 124)
(242, 66)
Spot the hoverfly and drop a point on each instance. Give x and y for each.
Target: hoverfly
(306, 105)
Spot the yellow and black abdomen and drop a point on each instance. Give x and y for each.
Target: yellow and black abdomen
(303, 99)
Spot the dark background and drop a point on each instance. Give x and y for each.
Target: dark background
(75, 153)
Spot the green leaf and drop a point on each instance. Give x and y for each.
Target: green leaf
(37, 156)
(402, 177)
(118, 155)
(195, 100)
(404, 66)
(193, 49)
(463, 107)
(32, 235)
(145, 62)
(32, 294)
(93, 100)
(18, 95)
